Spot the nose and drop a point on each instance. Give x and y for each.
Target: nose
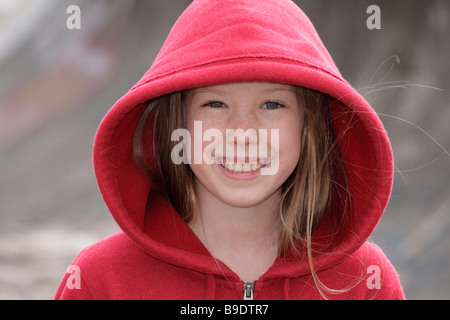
(241, 135)
(243, 123)
(243, 116)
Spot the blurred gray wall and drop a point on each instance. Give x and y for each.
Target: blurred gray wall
(56, 85)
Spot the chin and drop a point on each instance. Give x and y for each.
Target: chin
(249, 198)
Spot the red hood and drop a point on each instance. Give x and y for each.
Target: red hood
(216, 42)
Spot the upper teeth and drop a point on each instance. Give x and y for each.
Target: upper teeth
(242, 167)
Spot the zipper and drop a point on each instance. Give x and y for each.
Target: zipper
(249, 287)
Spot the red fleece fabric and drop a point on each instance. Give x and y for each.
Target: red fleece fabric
(156, 255)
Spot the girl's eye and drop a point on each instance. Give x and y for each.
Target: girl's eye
(271, 105)
(214, 104)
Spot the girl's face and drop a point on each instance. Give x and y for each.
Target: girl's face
(252, 140)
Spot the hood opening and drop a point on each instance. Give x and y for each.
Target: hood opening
(148, 218)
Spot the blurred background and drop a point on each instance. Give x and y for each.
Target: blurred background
(56, 84)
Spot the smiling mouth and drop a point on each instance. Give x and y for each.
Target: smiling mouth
(243, 167)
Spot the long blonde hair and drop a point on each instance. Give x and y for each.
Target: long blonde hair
(315, 186)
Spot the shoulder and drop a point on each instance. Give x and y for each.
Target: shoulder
(100, 268)
(381, 274)
(372, 257)
(371, 253)
(103, 252)
(377, 277)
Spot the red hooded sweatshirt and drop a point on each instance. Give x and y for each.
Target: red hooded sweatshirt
(156, 255)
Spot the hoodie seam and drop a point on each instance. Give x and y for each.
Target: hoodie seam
(88, 290)
(218, 61)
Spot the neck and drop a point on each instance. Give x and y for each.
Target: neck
(245, 239)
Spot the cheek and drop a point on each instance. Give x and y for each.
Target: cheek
(289, 144)
(205, 138)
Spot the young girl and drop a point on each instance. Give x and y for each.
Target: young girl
(279, 177)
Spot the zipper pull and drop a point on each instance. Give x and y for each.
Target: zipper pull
(248, 290)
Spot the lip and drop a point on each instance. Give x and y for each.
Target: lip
(224, 159)
(241, 176)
